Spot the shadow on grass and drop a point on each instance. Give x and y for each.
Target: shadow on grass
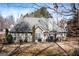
(41, 51)
(66, 53)
(1, 48)
(26, 48)
(14, 51)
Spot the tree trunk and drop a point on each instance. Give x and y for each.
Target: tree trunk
(33, 34)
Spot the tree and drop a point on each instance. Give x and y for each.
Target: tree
(33, 34)
(69, 12)
(9, 21)
(74, 22)
(2, 23)
(6, 31)
(42, 12)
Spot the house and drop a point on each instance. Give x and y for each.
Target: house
(43, 27)
(40, 24)
(39, 34)
(61, 32)
(24, 36)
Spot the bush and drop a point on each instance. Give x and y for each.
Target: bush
(76, 52)
(25, 40)
(9, 38)
(20, 41)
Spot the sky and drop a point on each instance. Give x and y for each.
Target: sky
(16, 9)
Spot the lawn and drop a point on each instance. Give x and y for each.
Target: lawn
(63, 48)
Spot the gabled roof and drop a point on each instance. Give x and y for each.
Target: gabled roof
(39, 28)
(35, 21)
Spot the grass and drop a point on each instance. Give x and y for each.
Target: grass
(51, 51)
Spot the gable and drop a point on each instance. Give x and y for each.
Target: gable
(38, 30)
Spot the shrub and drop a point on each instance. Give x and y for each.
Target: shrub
(9, 38)
(25, 40)
(20, 41)
(76, 52)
